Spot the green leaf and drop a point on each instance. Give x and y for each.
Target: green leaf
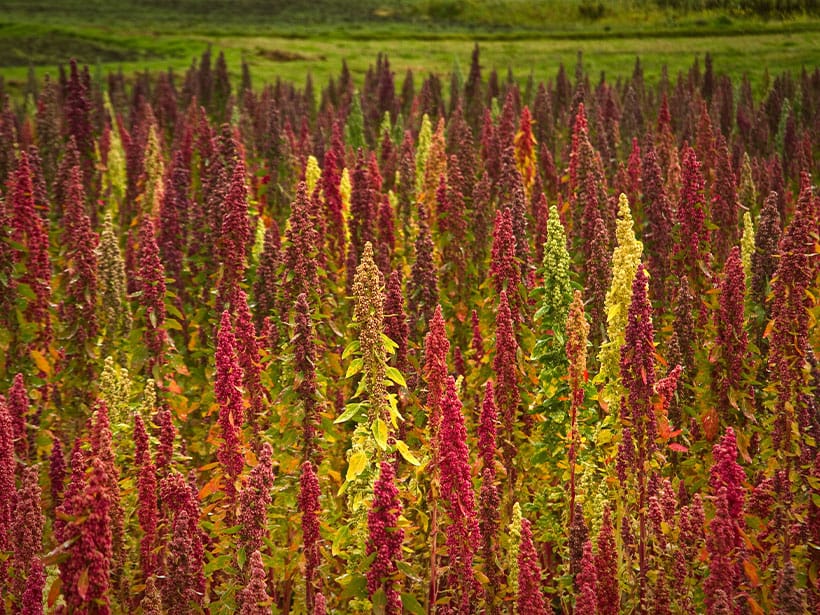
(355, 367)
(355, 587)
(350, 411)
(404, 451)
(218, 563)
(411, 604)
(350, 349)
(395, 375)
(356, 465)
(379, 601)
(389, 344)
(379, 429)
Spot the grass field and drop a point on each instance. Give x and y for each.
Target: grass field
(290, 39)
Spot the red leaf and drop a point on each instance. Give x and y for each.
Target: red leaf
(678, 448)
(54, 592)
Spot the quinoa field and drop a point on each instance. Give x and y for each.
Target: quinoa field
(470, 339)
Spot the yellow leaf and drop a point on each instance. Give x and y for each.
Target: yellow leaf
(405, 452)
(380, 433)
(41, 362)
(356, 466)
(210, 487)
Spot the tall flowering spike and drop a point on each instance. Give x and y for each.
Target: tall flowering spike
(525, 150)
(459, 501)
(747, 248)
(387, 235)
(659, 218)
(167, 433)
(266, 287)
(764, 258)
(310, 508)
(385, 538)
(333, 213)
(530, 601)
(722, 544)
(792, 303)
(173, 218)
(79, 308)
(7, 259)
(690, 248)
(151, 284)
(153, 172)
(489, 500)
(477, 342)
(587, 583)
(503, 266)
(726, 473)
(435, 166)
(56, 471)
(731, 334)
(423, 142)
(234, 236)
(598, 280)
(228, 390)
(557, 284)
(179, 593)
(638, 378)
(577, 334)
(32, 596)
(254, 597)
(115, 313)
(395, 319)
(481, 221)
(26, 532)
(77, 116)
(28, 230)
(254, 500)
(184, 551)
(368, 288)
(606, 568)
(487, 428)
(724, 210)
(423, 283)
(249, 359)
(151, 603)
(514, 530)
(789, 596)
(304, 354)
(633, 166)
(579, 133)
(18, 408)
(436, 348)
(147, 512)
(363, 206)
(85, 574)
(507, 395)
(103, 450)
(625, 260)
(300, 254)
(7, 469)
(638, 363)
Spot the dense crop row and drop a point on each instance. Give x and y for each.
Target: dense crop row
(542, 347)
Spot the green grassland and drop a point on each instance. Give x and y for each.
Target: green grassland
(290, 39)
